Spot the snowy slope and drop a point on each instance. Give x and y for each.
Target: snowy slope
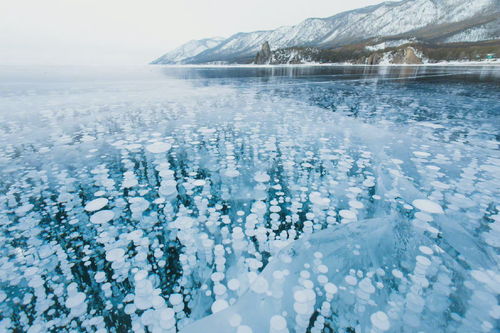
(190, 49)
(385, 19)
(483, 32)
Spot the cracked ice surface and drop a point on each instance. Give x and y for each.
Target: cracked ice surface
(229, 206)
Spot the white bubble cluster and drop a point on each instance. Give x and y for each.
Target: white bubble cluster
(168, 207)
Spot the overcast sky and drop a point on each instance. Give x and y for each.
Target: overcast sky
(137, 31)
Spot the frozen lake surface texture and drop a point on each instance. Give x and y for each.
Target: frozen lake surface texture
(288, 199)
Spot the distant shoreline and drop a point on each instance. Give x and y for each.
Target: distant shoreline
(457, 64)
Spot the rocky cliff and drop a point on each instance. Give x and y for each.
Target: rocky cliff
(410, 53)
(264, 55)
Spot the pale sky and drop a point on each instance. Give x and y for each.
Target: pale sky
(103, 32)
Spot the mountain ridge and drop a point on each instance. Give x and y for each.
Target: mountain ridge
(421, 19)
(187, 50)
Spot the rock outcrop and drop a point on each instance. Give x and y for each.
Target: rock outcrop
(263, 57)
(373, 59)
(401, 56)
(407, 56)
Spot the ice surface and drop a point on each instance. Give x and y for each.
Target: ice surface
(223, 201)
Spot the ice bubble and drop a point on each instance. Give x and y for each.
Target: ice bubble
(366, 286)
(219, 289)
(275, 209)
(428, 206)
(431, 125)
(425, 250)
(495, 312)
(233, 284)
(144, 287)
(315, 197)
(432, 230)
(102, 216)
(135, 235)
(148, 317)
(142, 302)
(424, 261)
(167, 314)
(168, 188)
(308, 284)
(30, 271)
(489, 278)
(331, 288)
(75, 299)
(206, 130)
(21, 211)
(461, 201)
(133, 146)
(354, 189)
(302, 308)
(100, 277)
(300, 296)
(348, 215)
(158, 147)
(45, 251)
(318, 255)
(219, 305)
(423, 216)
(440, 185)
(199, 182)
(36, 281)
(217, 276)
(115, 254)
(380, 320)
(261, 177)
(129, 309)
(260, 285)
(277, 323)
(130, 182)
(157, 301)
(231, 173)
(141, 275)
(421, 154)
(175, 299)
(322, 279)
(349, 279)
(72, 288)
(356, 204)
(433, 167)
(322, 269)
(183, 222)
(96, 204)
(235, 320)
(244, 329)
(138, 204)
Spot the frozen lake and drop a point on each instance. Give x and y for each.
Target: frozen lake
(274, 199)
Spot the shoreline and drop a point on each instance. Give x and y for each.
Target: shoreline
(456, 64)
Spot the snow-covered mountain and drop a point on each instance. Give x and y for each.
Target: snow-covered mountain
(429, 19)
(188, 50)
(488, 31)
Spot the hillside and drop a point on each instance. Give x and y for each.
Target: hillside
(424, 21)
